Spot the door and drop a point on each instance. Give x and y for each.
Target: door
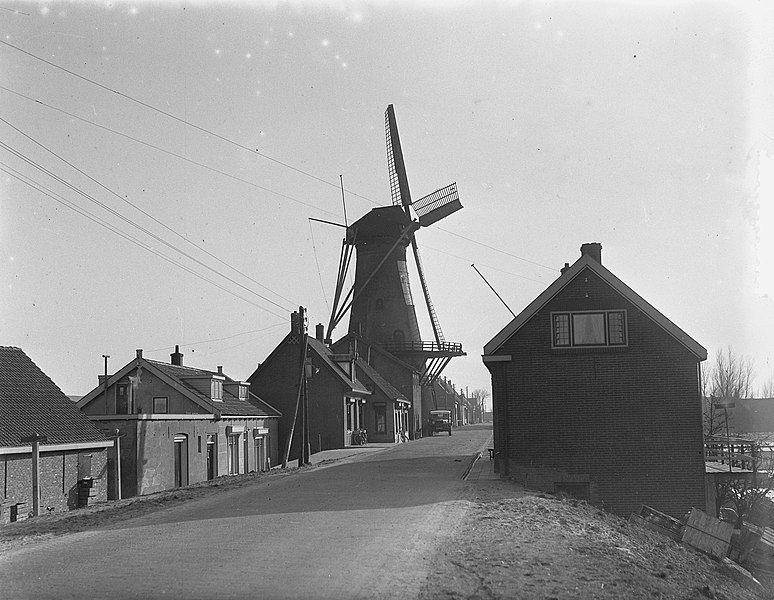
(212, 469)
(181, 460)
(260, 454)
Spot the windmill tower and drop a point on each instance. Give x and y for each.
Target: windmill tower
(382, 305)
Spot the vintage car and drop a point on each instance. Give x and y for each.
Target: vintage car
(440, 420)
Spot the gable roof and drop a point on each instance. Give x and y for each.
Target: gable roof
(325, 354)
(31, 403)
(231, 405)
(359, 341)
(176, 377)
(588, 262)
(385, 386)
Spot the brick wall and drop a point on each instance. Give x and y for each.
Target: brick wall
(626, 420)
(58, 479)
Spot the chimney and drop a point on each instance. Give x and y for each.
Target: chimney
(319, 332)
(220, 369)
(139, 353)
(592, 250)
(177, 356)
(565, 267)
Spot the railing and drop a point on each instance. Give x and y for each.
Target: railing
(429, 347)
(734, 452)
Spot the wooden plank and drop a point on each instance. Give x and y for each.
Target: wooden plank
(707, 533)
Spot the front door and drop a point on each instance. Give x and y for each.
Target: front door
(181, 460)
(211, 464)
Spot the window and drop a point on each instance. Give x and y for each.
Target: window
(588, 329)
(122, 399)
(216, 389)
(243, 392)
(160, 404)
(380, 415)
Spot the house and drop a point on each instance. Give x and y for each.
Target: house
(335, 397)
(400, 375)
(595, 393)
(179, 425)
(72, 458)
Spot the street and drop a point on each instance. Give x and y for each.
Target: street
(363, 528)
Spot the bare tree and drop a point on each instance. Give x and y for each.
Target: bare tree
(767, 391)
(728, 378)
(481, 397)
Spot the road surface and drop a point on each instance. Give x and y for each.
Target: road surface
(366, 528)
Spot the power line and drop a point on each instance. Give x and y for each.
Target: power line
(130, 222)
(169, 152)
(151, 217)
(228, 337)
(243, 147)
(99, 221)
(179, 119)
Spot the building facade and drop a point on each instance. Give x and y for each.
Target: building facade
(72, 455)
(178, 425)
(597, 394)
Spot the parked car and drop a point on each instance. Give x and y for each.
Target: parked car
(440, 420)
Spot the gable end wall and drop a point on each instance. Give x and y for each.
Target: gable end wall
(628, 421)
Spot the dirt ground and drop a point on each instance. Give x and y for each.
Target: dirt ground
(515, 544)
(512, 544)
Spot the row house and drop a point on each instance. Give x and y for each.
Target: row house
(597, 394)
(72, 463)
(177, 425)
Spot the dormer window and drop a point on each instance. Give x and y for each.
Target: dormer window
(243, 392)
(588, 329)
(216, 390)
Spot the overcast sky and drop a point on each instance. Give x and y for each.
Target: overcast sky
(220, 128)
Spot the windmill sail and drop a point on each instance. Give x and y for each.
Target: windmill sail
(430, 308)
(399, 189)
(438, 205)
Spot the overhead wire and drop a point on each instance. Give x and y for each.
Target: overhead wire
(176, 118)
(125, 200)
(130, 222)
(99, 221)
(169, 152)
(242, 146)
(228, 337)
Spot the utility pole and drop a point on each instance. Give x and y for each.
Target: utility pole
(298, 321)
(35, 440)
(117, 435)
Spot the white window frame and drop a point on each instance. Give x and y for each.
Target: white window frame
(571, 332)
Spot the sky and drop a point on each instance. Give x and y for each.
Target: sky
(160, 163)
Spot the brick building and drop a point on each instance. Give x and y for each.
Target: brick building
(336, 398)
(181, 425)
(73, 458)
(597, 394)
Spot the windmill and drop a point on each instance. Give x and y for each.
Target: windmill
(380, 302)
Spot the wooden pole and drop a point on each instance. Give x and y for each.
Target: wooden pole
(35, 440)
(35, 478)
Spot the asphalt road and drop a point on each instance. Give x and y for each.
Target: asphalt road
(363, 528)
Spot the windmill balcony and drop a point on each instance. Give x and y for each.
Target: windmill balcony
(427, 348)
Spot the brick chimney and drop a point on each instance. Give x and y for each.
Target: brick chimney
(139, 352)
(177, 356)
(320, 332)
(592, 250)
